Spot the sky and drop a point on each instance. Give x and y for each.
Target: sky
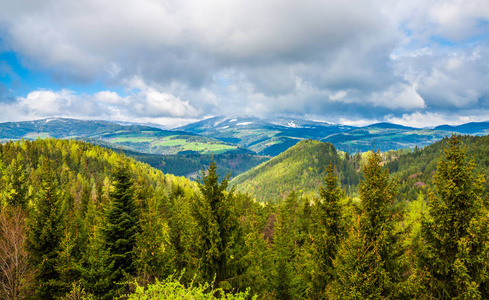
(418, 62)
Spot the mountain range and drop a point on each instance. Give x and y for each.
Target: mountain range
(237, 143)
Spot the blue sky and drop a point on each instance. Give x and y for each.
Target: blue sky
(417, 63)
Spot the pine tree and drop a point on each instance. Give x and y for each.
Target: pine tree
(44, 234)
(121, 229)
(325, 233)
(454, 237)
(219, 232)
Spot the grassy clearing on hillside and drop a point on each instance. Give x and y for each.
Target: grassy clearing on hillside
(36, 135)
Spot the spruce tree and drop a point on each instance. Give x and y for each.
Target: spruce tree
(285, 281)
(16, 187)
(218, 232)
(72, 245)
(374, 238)
(454, 236)
(325, 233)
(358, 267)
(44, 234)
(121, 229)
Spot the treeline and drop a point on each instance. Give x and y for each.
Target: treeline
(92, 224)
(415, 167)
(190, 164)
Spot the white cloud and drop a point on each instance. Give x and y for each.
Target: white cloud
(429, 119)
(109, 97)
(143, 103)
(338, 95)
(399, 97)
(149, 101)
(189, 58)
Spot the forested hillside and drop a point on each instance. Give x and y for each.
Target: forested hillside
(384, 136)
(415, 168)
(301, 168)
(140, 138)
(191, 164)
(82, 222)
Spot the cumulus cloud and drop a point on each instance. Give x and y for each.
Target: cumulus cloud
(142, 103)
(345, 61)
(430, 119)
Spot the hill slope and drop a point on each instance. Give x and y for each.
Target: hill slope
(135, 137)
(473, 128)
(301, 167)
(415, 169)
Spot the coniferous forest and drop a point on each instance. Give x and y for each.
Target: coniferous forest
(79, 221)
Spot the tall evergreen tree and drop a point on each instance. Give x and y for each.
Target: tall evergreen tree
(44, 234)
(380, 243)
(454, 237)
(285, 280)
(359, 271)
(325, 233)
(15, 182)
(72, 245)
(219, 232)
(121, 229)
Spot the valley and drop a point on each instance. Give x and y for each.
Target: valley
(237, 143)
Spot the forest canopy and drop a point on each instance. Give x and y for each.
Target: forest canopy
(79, 221)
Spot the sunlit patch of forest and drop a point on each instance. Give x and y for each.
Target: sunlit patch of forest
(79, 221)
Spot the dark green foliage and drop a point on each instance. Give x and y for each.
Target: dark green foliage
(121, 228)
(67, 185)
(377, 192)
(97, 218)
(152, 243)
(374, 239)
(219, 237)
(231, 162)
(415, 168)
(359, 269)
(325, 233)
(285, 278)
(44, 234)
(73, 245)
(454, 236)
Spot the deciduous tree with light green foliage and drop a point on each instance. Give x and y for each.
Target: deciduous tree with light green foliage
(454, 239)
(172, 289)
